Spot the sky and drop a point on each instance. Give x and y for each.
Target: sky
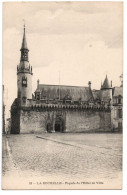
(76, 41)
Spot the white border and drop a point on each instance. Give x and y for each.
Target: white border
(124, 190)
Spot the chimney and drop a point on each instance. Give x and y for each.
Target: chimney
(89, 84)
(37, 83)
(111, 83)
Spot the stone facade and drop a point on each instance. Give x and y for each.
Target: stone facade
(24, 91)
(117, 109)
(88, 121)
(68, 119)
(106, 95)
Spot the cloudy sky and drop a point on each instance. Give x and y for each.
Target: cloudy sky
(81, 40)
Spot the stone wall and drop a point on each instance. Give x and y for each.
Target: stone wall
(106, 94)
(86, 121)
(32, 121)
(15, 117)
(75, 121)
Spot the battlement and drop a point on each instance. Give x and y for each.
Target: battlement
(43, 107)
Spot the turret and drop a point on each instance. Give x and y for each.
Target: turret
(106, 90)
(106, 84)
(24, 73)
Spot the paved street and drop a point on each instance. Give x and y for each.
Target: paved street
(66, 156)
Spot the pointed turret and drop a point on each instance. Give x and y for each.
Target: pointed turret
(106, 84)
(24, 49)
(106, 91)
(24, 43)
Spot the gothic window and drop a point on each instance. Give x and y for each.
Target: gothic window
(38, 96)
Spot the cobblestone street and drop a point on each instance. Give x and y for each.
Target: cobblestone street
(66, 156)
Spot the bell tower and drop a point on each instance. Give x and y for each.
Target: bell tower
(24, 74)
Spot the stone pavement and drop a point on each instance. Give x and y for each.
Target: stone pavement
(68, 156)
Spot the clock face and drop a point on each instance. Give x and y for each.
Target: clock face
(24, 82)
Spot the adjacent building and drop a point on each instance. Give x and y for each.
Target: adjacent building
(117, 108)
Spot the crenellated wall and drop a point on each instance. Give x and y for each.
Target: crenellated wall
(35, 121)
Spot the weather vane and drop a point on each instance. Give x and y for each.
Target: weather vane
(24, 23)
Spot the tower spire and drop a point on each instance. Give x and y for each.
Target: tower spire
(24, 49)
(106, 84)
(24, 43)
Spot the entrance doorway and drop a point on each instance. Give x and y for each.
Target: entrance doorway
(59, 125)
(48, 127)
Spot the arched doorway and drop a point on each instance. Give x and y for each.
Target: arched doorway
(59, 125)
(48, 127)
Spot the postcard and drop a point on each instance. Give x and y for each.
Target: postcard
(62, 95)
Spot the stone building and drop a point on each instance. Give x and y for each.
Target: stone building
(117, 109)
(58, 108)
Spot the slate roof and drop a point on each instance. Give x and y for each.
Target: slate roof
(118, 91)
(96, 94)
(24, 43)
(75, 92)
(106, 84)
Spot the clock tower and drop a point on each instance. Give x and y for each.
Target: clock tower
(24, 74)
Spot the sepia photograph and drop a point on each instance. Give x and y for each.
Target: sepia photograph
(62, 89)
